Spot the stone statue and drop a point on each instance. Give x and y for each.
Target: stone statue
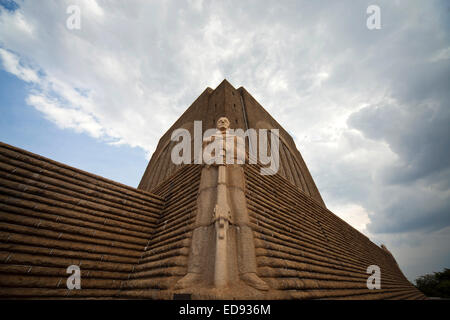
(223, 147)
(222, 248)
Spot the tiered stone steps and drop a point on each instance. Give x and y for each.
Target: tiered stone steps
(164, 259)
(307, 252)
(53, 216)
(131, 243)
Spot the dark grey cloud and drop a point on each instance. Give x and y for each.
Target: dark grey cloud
(419, 134)
(415, 187)
(408, 211)
(414, 122)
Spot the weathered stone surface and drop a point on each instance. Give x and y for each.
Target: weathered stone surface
(53, 216)
(160, 239)
(222, 227)
(243, 112)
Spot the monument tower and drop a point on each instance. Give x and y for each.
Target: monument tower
(204, 231)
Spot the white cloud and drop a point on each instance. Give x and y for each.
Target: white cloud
(66, 117)
(92, 6)
(196, 4)
(21, 23)
(11, 64)
(353, 214)
(133, 68)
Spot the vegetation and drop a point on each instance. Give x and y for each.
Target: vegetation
(435, 285)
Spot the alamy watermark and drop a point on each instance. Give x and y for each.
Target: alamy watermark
(374, 281)
(74, 281)
(73, 22)
(373, 21)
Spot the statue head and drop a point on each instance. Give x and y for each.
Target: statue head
(223, 123)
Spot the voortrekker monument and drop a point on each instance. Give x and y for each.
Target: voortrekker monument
(240, 225)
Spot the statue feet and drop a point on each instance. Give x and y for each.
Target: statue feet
(188, 280)
(254, 281)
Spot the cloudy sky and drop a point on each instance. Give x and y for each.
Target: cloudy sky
(368, 109)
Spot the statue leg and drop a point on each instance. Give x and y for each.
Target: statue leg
(245, 241)
(199, 243)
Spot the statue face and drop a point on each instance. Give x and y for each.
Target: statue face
(223, 123)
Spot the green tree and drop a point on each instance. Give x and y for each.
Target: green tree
(436, 284)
